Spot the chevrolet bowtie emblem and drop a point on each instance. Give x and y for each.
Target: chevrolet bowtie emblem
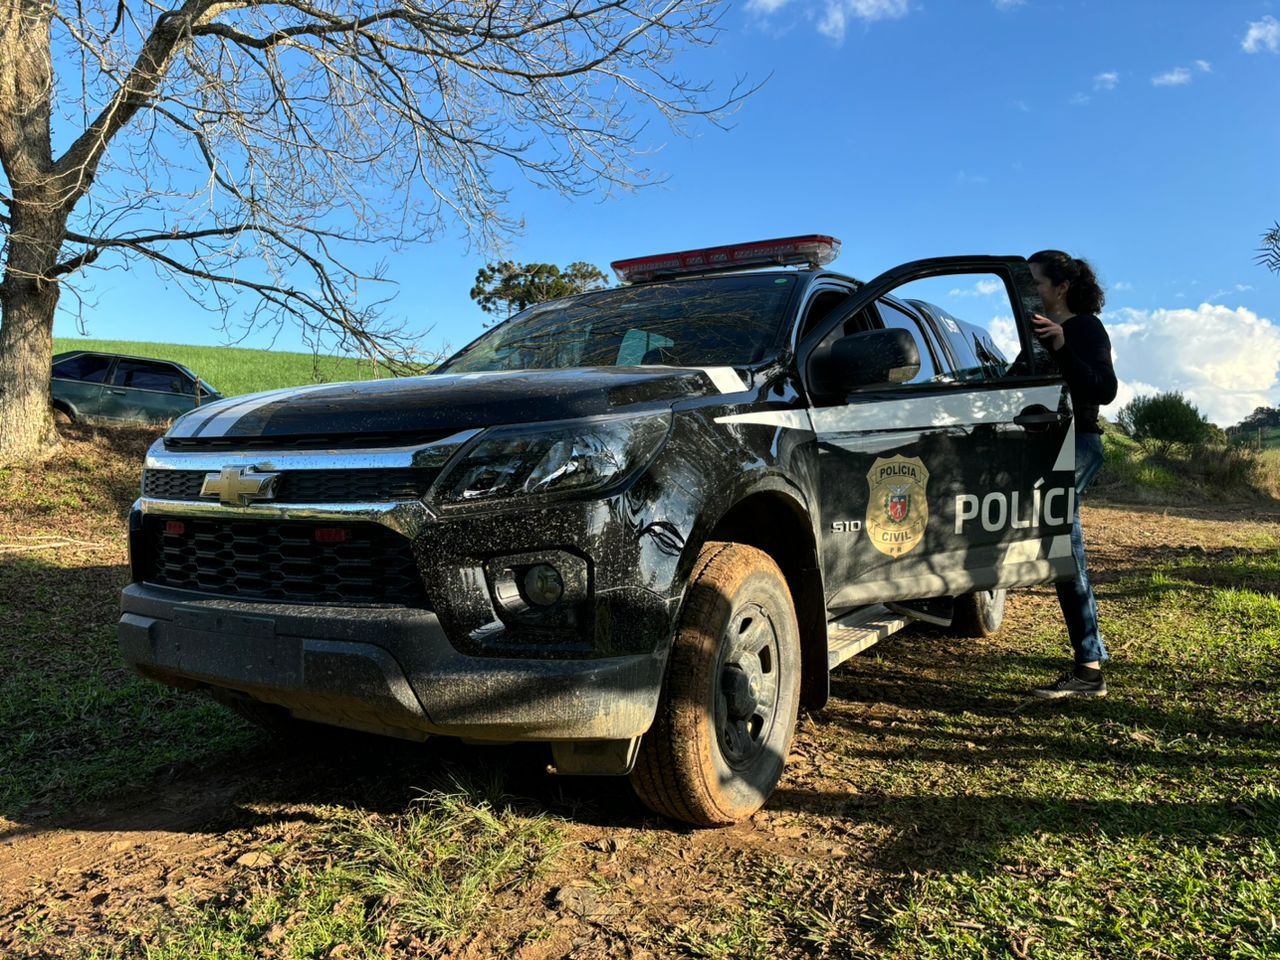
(239, 486)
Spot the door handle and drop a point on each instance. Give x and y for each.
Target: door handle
(118, 393)
(1037, 417)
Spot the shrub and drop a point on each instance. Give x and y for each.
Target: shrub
(1165, 420)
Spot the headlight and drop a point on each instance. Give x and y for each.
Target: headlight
(576, 457)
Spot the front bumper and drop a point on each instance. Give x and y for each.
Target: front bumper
(389, 670)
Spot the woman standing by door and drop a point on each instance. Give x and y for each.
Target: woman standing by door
(1075, 337)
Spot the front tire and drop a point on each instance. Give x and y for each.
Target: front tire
(728, 708)
(978, 614)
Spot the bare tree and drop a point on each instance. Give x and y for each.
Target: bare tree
(254, 149)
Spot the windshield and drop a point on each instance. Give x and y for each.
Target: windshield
(724, 321)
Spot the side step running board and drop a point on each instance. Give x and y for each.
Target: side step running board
(856, 631)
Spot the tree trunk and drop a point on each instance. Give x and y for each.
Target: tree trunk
(37, 224)
(27, 302)
(26, 346)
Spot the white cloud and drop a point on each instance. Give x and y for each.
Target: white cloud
(1263, 34)
(834, 16)
(1079, 99)
(983, 288)
(1106, 81)
(1022, 105)
(838, 12)
(1005, 334)
(1122, 285)
(1238, 288)
(875, 9)
(1126, 391)
(1177, 77)
(964, 179)
(1204, 66)
(832, 23)
(1226, 361)
(1007, 4)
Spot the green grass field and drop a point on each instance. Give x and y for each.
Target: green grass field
(236, 370)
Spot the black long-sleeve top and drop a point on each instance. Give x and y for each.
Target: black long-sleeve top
(1085, 362)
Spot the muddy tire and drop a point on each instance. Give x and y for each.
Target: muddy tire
(728, 708)
(978, 614)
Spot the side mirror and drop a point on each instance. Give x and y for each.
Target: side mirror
(870, 358)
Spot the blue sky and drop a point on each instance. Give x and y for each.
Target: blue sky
(1141, 135)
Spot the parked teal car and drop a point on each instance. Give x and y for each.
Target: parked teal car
(108, 386)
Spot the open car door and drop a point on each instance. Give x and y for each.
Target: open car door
(951, 476)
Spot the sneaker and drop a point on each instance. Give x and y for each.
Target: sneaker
(1070, 685)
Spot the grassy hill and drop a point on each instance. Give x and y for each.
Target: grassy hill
(236, 370)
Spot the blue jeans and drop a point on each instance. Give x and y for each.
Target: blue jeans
(1075, 597)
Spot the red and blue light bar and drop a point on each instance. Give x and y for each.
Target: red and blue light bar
(813, 250)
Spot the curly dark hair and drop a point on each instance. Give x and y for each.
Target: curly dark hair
(1084, 295)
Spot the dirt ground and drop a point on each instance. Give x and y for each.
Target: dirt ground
(99, 869)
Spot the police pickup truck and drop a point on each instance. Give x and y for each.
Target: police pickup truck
(639, 524)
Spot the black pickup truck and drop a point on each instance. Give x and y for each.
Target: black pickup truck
(639, 524)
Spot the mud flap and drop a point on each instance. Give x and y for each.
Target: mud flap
(595, 758)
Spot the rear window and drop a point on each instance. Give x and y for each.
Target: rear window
(86, 367)
(723, 321)
(977, 354)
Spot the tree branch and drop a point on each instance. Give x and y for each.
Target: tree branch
(1269, 252)
(75, 169)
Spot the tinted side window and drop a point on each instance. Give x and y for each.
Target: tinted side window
(149, 376)
(975, 315)
(85, 367)
(820, 307)
(895, 319)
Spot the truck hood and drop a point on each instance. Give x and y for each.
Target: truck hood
(438, 404)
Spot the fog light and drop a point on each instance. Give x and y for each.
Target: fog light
(543, 585)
